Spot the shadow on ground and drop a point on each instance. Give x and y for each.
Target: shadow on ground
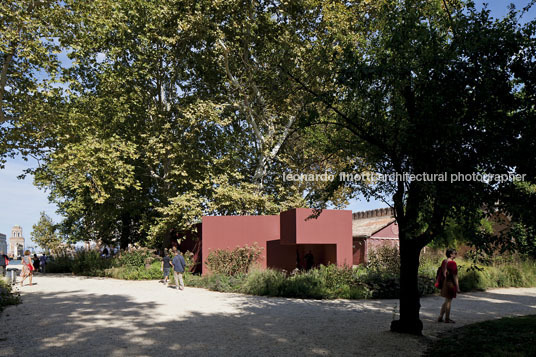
(91, 324)
(75, 322)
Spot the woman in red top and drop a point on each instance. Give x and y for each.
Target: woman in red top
(27, 267)
(450, 284)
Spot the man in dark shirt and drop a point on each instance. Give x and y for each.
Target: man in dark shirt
(178, 265)
(166, 266)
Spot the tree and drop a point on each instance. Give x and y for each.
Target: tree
(422, 87)
(28, 66)
(44, 233)
(149, 135)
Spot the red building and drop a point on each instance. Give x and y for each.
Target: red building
(287, 238)
(371, 230)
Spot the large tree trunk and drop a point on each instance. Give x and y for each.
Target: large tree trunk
(125, 230)
(409, 289)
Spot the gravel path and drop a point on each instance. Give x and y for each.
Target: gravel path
(75, 316)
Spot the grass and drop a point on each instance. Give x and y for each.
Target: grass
(511, 336)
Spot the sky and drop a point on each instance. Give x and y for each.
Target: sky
(21, 202)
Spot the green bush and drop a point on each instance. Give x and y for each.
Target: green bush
(267, 282)
(303, 285)
(7, 297)
(474, 280)
(61, 263)
(129, 272)
(234, 262)
(385, 260)
(224, 283)
(136, 257)
(521, 273)
(90, 263)
(324, 282)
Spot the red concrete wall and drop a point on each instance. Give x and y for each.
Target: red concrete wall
(281, 256)
(377, 243)
(391, 231)
(287, 221)
(329, 237)
(331, 227)
(229, 232)
(359, 256)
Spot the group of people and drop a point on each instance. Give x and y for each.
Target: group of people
(29, 265)
(177, 263)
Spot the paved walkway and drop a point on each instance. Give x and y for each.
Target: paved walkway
(75, 316)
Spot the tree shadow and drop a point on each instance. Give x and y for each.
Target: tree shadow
(474, 307)
(75, 322)
(199, 322)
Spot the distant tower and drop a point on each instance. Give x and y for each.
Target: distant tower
(3, 244)
(16, 242)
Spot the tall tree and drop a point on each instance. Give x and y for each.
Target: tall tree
(28, 67)
(153, 133)
(45, 234)
(432, 87)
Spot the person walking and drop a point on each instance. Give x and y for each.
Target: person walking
(178, 263)
(36, 262)
(42, 263)
(166, 266)
(450, 286)
(27, 267)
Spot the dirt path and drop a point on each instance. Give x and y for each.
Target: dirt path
(73, 316)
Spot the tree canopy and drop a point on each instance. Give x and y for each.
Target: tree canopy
(167, 111)
(425, 87)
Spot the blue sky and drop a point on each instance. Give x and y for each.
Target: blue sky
(21, 202)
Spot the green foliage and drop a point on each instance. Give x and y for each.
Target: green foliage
(323, 282)
(44, 233)
(521, 273)
(27, 47)
(234, 262)
(384, 259)
(379, 281)
(510, 336)
(523, 239)
(7, 297)
(131, 272)
(89, 263)
(60, 262)
(267, 282)
(138, 263)
(135, 257)
(303, 285)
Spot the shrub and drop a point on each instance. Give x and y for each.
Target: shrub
(60, 263)
(129, 272)
(267, 282)
(136, 257)
(303, 285)
(384, 259)
(237, 261)
(472, 279)
(7, 297)
(223, 282)
(90, 263)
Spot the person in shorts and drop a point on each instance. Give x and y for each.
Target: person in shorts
(166, 266)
